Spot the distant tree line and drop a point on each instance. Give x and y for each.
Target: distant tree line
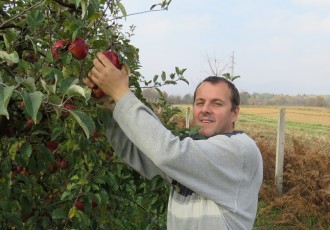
(153, 95)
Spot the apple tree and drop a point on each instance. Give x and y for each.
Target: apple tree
(57, 169)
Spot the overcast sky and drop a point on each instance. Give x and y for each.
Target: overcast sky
(279, 46)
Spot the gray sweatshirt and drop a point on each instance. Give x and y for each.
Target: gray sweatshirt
(215, 181)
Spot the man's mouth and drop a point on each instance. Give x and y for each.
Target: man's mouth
(206, 121)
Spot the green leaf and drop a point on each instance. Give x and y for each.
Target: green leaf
(5, 95)
(122, 9)
(82, 218)
(163, 76)
(26, 151)
(34, 17)
(29, 84)
(185, 80)
(59, 213)
(66, 195)
(10, 58)
(96, 197)
(32, 103)
(14, 218)
(13, 150)
(168, 82)
(77, 2)
(28, 37)
(96, 4)
(67, 82)
(76, 90)
(85, 121)
(155, 78)
(93, 17)
(177, 70)
(99, 180)
(46, 71)
(153, 6)
(83, 8)
(51, 89)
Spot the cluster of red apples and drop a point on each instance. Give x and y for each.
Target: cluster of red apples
(79, 50)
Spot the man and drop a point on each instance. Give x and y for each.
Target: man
(215, 180)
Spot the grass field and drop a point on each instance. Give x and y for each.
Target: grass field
(308, 120)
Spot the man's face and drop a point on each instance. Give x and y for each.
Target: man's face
(212, 109)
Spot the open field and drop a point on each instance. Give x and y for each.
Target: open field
(300, 120)
(305, 202)
(311, 121)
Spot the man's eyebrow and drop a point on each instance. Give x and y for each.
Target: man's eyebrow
(217, 100)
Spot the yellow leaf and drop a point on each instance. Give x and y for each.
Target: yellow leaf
(72, 212)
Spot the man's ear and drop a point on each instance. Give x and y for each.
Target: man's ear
(236, 112)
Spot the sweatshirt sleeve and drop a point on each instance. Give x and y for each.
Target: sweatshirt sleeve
(129, 153)
(218, 168)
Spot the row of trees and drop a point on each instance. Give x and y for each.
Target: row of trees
(250, 99)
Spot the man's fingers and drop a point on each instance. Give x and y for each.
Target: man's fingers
(124, 69)
(87, 81)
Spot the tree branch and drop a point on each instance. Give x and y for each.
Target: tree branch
(23, 12)
(69, 5)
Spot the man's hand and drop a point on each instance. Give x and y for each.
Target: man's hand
(105, 102)
(105, 75)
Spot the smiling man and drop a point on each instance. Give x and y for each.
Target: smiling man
(215, 108)
(215, 180)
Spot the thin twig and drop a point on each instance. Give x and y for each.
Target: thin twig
(13, 18)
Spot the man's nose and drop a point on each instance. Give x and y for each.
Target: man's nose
(206, 108)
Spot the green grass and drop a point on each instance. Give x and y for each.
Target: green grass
(248, 120)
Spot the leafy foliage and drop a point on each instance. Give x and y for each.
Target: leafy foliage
(57, 169)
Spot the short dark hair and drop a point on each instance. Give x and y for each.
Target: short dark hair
(234, 98)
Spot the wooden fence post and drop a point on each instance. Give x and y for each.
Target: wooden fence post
(280, 152)
(187, 117)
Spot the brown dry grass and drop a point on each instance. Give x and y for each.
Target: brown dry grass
(305, 203)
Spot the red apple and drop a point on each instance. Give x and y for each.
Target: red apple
(30, 58)
(59, 48)
(63, 164)
(94, 204)
(19, 168)
(22, 105)
(113, 57)
(24, 172)
(51, 145)
(26, 217)
(79, 48)
(52, 167)
(30, 122)
(79, 205)
(97, 93)
(110, 154)
(96, 135)
(69, 106)
(56, 155)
